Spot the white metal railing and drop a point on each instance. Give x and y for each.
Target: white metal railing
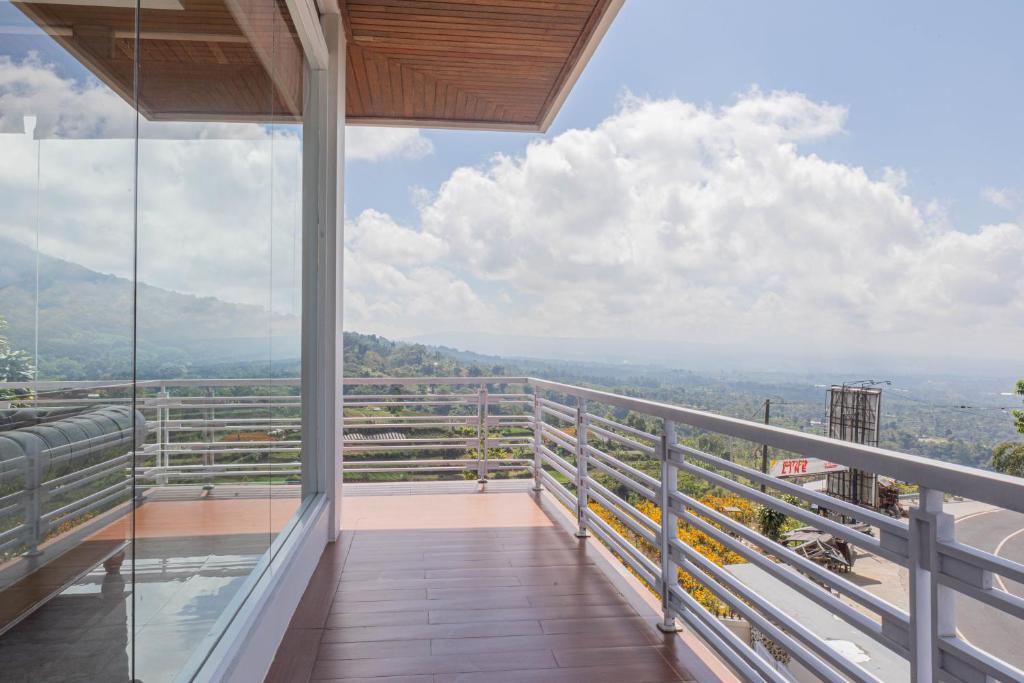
(463, 417)
(574, 444)
(55, 470)
(938, 565)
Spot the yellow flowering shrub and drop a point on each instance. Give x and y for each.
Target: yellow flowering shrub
(735, 507)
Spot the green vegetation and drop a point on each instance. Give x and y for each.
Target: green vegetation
(15, 366)
(1008, 457)
(85, 332)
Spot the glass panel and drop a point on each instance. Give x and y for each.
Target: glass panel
(67, 175)
(150, 293)
(286, 306)
(220, 92)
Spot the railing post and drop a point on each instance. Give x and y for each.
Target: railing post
(482, 432)
(209, 458)
(582, 424)
(669, 528)
(34, 500)
(163, 458)
(932, 607)
(538, 436)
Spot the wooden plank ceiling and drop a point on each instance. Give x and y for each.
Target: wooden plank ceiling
(209, 60)
(503, 64)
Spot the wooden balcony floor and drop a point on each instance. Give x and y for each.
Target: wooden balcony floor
(473, 587)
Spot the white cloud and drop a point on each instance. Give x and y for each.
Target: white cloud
(219, 203)
(63, 107)
(669, 220)
(371, 143)
(665, 221)
(1002, 198)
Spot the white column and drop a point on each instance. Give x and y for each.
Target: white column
(322, 264)
(335, 195)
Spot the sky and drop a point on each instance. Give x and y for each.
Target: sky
(791, 177)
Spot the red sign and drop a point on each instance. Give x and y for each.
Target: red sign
(800, 467)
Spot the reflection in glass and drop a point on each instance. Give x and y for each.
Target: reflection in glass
(150, 294)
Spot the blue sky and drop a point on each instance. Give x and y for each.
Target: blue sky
(868, 196)
(933, 88)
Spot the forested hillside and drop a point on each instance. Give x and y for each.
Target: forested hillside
(85, 322)
(947, 418)
(85, 332)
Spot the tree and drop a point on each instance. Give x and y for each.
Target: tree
(15, 366)
(1008, 457)
(1019, 414)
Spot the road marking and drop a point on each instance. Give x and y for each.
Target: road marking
(976, 514)
(998, 578)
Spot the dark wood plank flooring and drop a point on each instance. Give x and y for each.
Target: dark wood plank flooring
(474, 603)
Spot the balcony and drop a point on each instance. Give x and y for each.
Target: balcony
(519, 529)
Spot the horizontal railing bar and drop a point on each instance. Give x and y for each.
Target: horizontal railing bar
(223, 466)
(979, 558)
(190, 426)
(562, 407)
(416, 440)
(615, 506)
(74, 485)
(734, 651)
(561, 438)
(380, 470)
(16, 496)
(1003, 601)
(625, 441)
(13, 533)
(564, 417)
(981, 485)
(977, 660)
(403, 404)
(618, 464)
(634, 486)
(54, 523)
(549, 456)
(221, 474)
(472, 461)
(185, 446)
(795, 581)
(810, 650)
(832, 503)
(844, 532)
(557, 489)
(406, 381)
(374, 447)
(50, 516)
(456, 398)
(636, 560)
(12, 509)
(411, 419)
(611, 424)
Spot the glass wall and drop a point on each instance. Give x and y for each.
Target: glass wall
(150, 302)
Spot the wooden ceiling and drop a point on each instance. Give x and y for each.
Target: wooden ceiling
(499, 64)
(209, 60)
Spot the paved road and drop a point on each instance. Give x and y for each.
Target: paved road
(1000, 532)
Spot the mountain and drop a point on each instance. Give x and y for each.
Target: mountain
(85, 323)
